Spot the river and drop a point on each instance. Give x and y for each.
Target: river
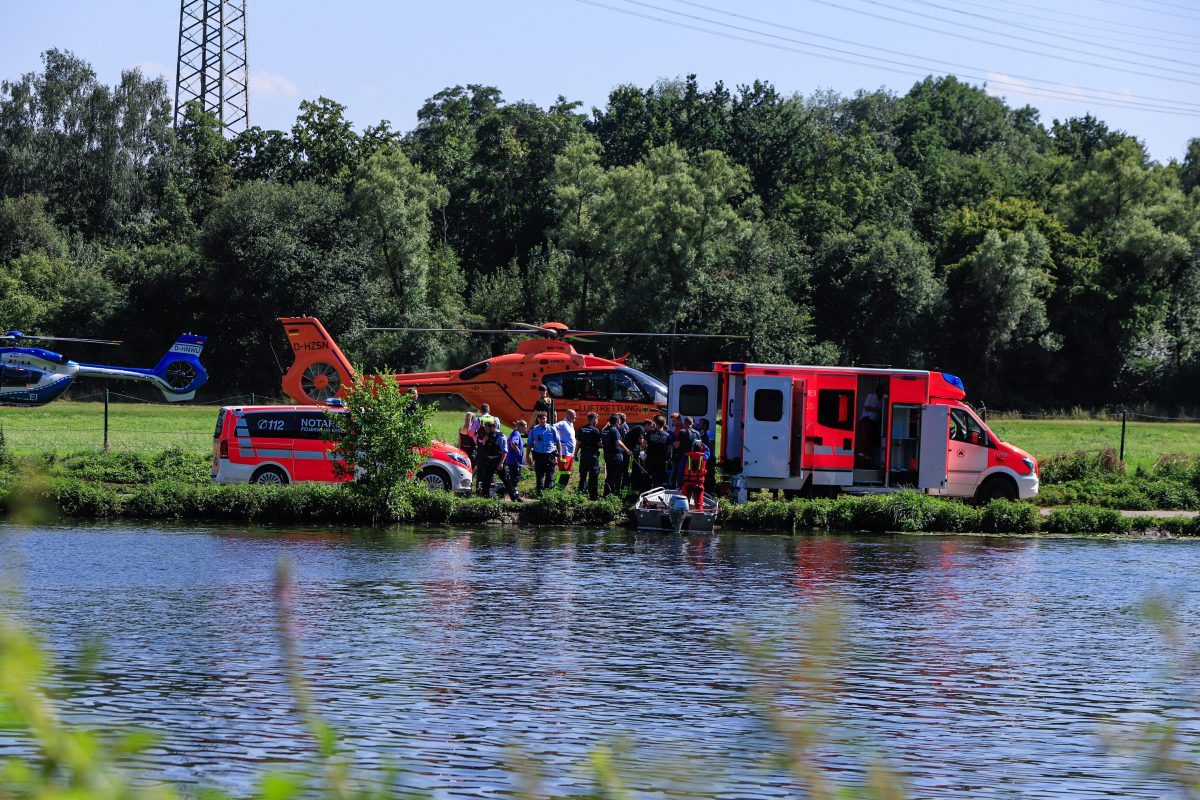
(979, 667)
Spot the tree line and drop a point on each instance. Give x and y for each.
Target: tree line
(1048, 265)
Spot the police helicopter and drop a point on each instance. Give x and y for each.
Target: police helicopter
(33, 376)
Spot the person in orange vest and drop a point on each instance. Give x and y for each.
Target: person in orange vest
(695, 466)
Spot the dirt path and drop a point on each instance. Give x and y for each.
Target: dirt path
(1160, 514)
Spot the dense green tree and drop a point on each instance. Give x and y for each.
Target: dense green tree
(274, 251)
(1000, 292)
(100, 154)
(205, 174)
(578, 181)
(875, 292)
(938, 227)
(325, 145)
(1189, 175)
(26, 227)
(394, 200)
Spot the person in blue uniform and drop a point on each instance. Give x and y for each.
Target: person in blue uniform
(514, 460)
(543, 444)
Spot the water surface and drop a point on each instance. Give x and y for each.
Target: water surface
(983, 668)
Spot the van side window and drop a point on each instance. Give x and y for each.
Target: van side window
(834, 408)
(768, 405)
(965, 428)
(269, 423)
(693, 401)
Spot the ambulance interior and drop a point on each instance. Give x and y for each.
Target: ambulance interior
(887, 436)
(869, 453)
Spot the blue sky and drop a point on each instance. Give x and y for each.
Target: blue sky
(382, 59)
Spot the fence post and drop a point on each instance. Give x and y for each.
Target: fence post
(1123, 415)
(106, 418)
(983, 411)
(252, 398)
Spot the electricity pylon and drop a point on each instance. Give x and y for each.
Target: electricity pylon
(212, 61)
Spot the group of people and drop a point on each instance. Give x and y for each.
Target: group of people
(635, 457)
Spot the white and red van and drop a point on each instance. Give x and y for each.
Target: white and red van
(852, 429)
(285, 444)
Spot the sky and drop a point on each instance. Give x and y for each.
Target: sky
(1136, 63)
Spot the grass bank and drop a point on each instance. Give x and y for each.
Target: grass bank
(178, 498)
(1088, 489)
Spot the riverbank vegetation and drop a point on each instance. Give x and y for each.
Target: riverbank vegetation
(871, 228)
(120, 489)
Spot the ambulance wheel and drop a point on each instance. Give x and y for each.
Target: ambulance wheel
(997, 487)
(269, 476)
(435, 479)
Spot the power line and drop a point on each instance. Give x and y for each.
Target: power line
(1123, 28)
(1009, 36)
(1153, 10)
(1035, 29)
(1115, 96)
(1055, 93)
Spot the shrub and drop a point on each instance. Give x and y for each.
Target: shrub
(130, 468)
(1085, 519)
(1081, 464)
(1009, 516)
(563, 508)
(1176, 466)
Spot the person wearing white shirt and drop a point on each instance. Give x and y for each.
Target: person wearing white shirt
(565, 428)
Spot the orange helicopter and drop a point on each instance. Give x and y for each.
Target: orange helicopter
(507, 383)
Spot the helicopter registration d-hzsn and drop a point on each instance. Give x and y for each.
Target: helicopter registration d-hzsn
(507, 383)
(32, 376)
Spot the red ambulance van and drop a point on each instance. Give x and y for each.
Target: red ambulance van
(851, 429)
(283, 444)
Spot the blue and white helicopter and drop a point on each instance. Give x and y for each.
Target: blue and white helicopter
(31, 376)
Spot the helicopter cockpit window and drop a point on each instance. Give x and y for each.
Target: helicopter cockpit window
(652, 390)
(626, 390)
(555, 384)
(578, 385)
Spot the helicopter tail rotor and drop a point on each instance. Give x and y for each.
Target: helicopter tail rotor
(320, 370)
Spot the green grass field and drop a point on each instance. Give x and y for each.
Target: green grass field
(65, 426)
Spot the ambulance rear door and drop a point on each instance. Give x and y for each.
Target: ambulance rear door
(767, 437)
(695, 395)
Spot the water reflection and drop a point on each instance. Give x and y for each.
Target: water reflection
(983, 666)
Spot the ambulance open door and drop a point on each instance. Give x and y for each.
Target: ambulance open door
(696, 395)
(935, 428)
(767, 439)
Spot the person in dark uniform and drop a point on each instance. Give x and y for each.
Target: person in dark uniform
(587, 447)
(615, 456)
(658, 451)
(685, 438)
(490, 452)
(635, 469)
(544, 404)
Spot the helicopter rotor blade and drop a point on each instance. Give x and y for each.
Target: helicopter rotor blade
(450, 330)
(18, 337)
(574, 334)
